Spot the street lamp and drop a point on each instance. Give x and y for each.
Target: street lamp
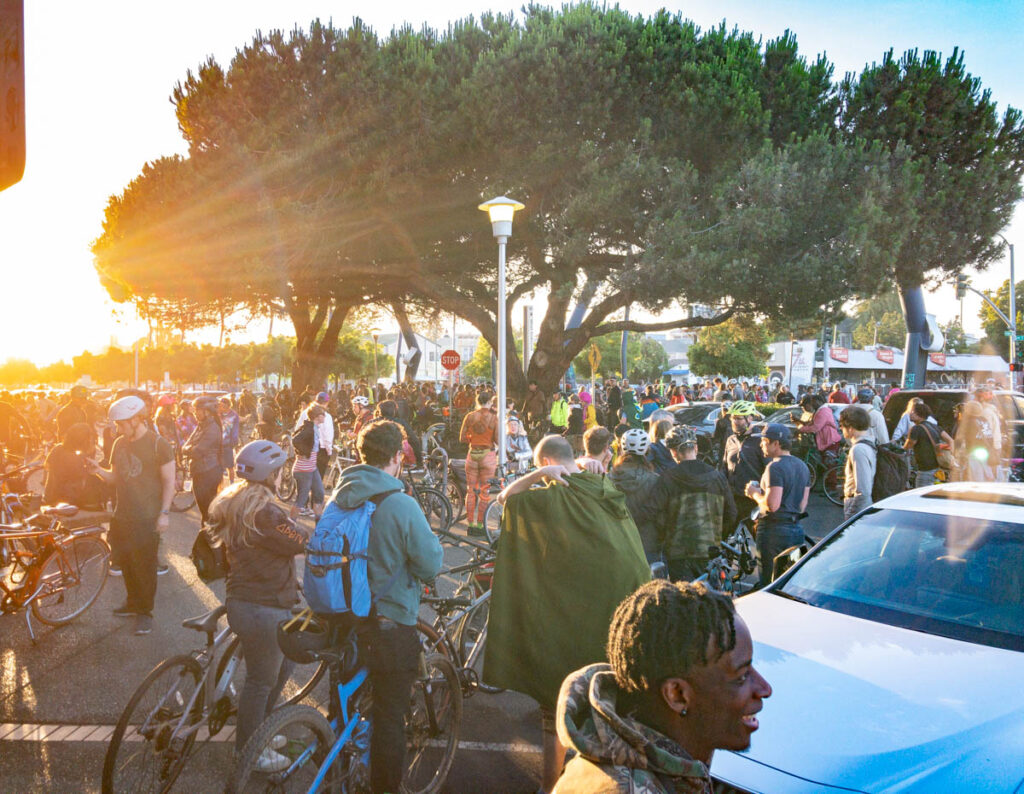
(501, 210)
(375, 333)
(1013, 317)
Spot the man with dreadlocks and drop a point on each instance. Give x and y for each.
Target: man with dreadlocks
(680, 684)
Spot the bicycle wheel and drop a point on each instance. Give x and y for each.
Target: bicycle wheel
(288, 488)
(436, 508)
(145, 752)
(297, 738)
(492, 521)
(182, 501)
(457, 499)
(303, 683)
(833, 483)
(432, 727)
(72, 578)
(471, 640)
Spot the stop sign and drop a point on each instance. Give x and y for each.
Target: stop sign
(450, 359)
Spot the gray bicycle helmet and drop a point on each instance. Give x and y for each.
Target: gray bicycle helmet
(258, 460)
(681, 436)
(865, 395)
(635, 441)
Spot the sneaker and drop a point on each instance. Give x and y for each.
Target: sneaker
(272, 761)
(143, 624)
(114, 570)
(125, 611)
(477, 531)
(306, 512)
(161, 569)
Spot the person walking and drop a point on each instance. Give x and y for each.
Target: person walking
(924, 439)
(142, 471)
(480, 434)
(260, 542)
(633, 474)
(309, 485)
(230, 432)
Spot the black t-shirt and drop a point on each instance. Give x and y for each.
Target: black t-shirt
(790, 474)
(136, 466)
(924, 452)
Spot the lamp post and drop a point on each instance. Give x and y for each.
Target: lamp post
(501, 210)
(375, 333)
(1012, 317)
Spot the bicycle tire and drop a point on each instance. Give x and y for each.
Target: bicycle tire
(457, 499)
(303, 681)
(158, 736)
(436, 508)
(434, 718)
(182, 501)
(288, 488)
(833, 483)
(471, 641)
(302, 727)
(492, 521)
(87, 559)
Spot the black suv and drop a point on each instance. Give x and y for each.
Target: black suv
(943, 401)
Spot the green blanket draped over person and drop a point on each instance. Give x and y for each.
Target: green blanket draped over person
(567, 556)
(630, 409)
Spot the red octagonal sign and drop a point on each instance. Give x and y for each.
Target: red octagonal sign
(450, 359)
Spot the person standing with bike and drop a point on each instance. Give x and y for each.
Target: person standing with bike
(781, 496)
(402, 553)
(261, 543)
(743, 459)
(204, 451)
(142, 470)
(480, 434)
(861, 462)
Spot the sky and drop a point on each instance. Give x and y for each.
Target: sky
(99, 76)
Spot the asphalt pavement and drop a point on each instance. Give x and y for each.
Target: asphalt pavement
(61, 696)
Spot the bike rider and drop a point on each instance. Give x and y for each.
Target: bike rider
(692, 506)
(781, 496)
(402, 552)
(204, 451)
(261, 543)
(363, 414)
(743, 458)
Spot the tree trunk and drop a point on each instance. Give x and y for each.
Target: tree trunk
(316, 341)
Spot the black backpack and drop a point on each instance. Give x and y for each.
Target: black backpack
(892, 471)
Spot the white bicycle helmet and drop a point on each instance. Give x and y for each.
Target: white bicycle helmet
(126, 408)
(361, 400)
(635, 441)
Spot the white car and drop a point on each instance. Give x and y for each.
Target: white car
(895, 650)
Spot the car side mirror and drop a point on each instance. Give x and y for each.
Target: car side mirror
(786, 560)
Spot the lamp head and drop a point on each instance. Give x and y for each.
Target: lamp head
(375, 332)
(501, 210)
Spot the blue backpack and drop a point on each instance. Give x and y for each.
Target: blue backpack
(335, 577)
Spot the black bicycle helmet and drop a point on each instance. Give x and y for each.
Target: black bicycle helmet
(302, 636)
(206, 403)
(258, 460)
(681, 436)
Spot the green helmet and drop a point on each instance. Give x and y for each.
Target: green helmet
(743, 408)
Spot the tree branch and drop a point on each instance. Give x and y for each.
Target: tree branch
(668, 325)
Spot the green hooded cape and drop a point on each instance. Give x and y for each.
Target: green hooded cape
(631, 409)
(567, 557)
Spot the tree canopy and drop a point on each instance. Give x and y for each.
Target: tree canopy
(660, 165)
(995, 329)
(737, 348)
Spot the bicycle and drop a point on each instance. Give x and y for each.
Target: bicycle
(183, 498)
(332, 753)
(492, 516)
(732, 560)
(56, 571)
(158, 729)
(432, 502)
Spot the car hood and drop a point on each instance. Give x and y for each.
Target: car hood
(868, 707)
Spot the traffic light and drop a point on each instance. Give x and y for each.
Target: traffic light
(961, 286)
(827, 336)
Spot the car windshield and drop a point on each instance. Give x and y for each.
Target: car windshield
(954, 576)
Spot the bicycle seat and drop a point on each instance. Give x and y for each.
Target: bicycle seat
(447, 604)
(62, 510)
(206, 624)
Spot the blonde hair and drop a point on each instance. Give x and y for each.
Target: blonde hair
(660, 429)
(233, 511)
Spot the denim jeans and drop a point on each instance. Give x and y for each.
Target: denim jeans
(924, 478)
(134, 548)
(773, 538)
(266, 668)
(309, 482)
(205, 486)
(394, 664)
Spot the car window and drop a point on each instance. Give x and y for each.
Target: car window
(1019, 401)
(693, 415)
(785, 415)
(948, 575)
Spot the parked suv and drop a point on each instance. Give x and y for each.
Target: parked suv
(943, 401)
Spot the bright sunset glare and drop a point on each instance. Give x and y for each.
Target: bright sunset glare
(98, 78)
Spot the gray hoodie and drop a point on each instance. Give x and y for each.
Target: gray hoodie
(403, 551)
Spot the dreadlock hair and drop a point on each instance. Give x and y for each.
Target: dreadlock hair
(664, 630)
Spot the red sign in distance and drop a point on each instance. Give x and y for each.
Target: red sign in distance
(938, 359)
(884, 354)
(450, 360)
(841, 354)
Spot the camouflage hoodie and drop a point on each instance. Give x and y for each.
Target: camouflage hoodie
(615, 752)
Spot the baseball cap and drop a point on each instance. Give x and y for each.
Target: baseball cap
(774, 431)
